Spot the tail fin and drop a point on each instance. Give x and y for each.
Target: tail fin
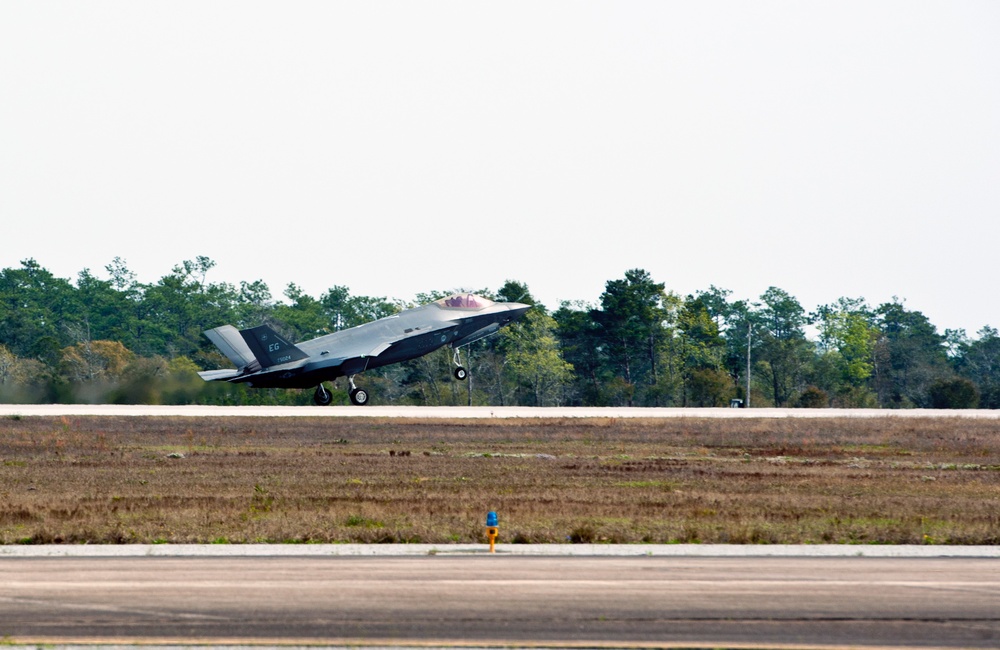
(269, 348)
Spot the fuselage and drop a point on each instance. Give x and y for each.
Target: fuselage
(455, 321)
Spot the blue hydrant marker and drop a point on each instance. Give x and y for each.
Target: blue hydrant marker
(492, 529)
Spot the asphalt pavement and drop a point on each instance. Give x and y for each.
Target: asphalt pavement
(476, 599)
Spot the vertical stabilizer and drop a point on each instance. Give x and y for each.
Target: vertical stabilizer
(269, 347)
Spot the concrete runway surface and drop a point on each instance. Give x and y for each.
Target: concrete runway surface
(483, 600)
(484, 412)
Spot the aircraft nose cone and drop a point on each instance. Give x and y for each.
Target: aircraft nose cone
(517, 309)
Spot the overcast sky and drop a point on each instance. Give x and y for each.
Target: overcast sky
(827, 148)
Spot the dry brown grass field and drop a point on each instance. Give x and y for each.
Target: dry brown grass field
(309, 480)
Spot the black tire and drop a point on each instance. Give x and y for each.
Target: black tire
(461, 373)
(359, 397)
(322, 397)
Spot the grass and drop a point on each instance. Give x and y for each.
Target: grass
(313, 480)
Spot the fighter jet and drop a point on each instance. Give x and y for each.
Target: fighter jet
(264, 359)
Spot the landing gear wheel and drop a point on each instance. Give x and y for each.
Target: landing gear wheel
(461, 373)
(359, 397)
(322, 397)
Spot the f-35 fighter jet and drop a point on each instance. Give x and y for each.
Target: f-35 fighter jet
(264, 359)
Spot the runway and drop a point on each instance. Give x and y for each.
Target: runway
(526, 596)
(500, 600)
(481, 412)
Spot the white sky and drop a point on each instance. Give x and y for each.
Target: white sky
(827, 148)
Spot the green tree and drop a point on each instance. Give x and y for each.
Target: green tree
(126, 301)
(582, 345)
(533, 358)
(708, 387)
(716, 302)
(953, 393)
(848, 336)
(344, 310)
(35, 308)
(631, 318)
(101, 305)
(784, 350)
(254, 304)
(180, 306)
(739, 319)
(979, 361)
(702, 350)
(813, 397)
(514, 291)
(305, 318)
(909, 357)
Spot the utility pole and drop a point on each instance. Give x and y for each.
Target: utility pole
(749, 341)
(469, 378)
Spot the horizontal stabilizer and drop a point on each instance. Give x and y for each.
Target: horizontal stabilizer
(270, 348)
(227, 338)
(218, 375)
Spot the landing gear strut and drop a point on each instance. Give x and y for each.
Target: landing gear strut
(359, 396)
(322, 397)
(460, 373)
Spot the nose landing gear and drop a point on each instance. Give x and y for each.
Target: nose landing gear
(460, 372)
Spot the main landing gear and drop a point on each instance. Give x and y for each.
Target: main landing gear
(460, 373)
(323, 397)
(359, 396)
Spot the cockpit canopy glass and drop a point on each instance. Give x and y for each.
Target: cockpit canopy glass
(464, 301)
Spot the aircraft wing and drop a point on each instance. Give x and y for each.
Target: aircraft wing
(353, 358)
(373, 345)
(441, 327)
(380, 348)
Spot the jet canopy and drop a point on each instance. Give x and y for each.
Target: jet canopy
(468, 301)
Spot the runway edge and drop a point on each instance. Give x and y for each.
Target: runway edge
(540, 550)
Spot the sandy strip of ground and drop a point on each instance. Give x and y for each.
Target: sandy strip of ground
(540, 550)
(481, 412)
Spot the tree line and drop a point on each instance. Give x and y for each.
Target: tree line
(114, 339)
